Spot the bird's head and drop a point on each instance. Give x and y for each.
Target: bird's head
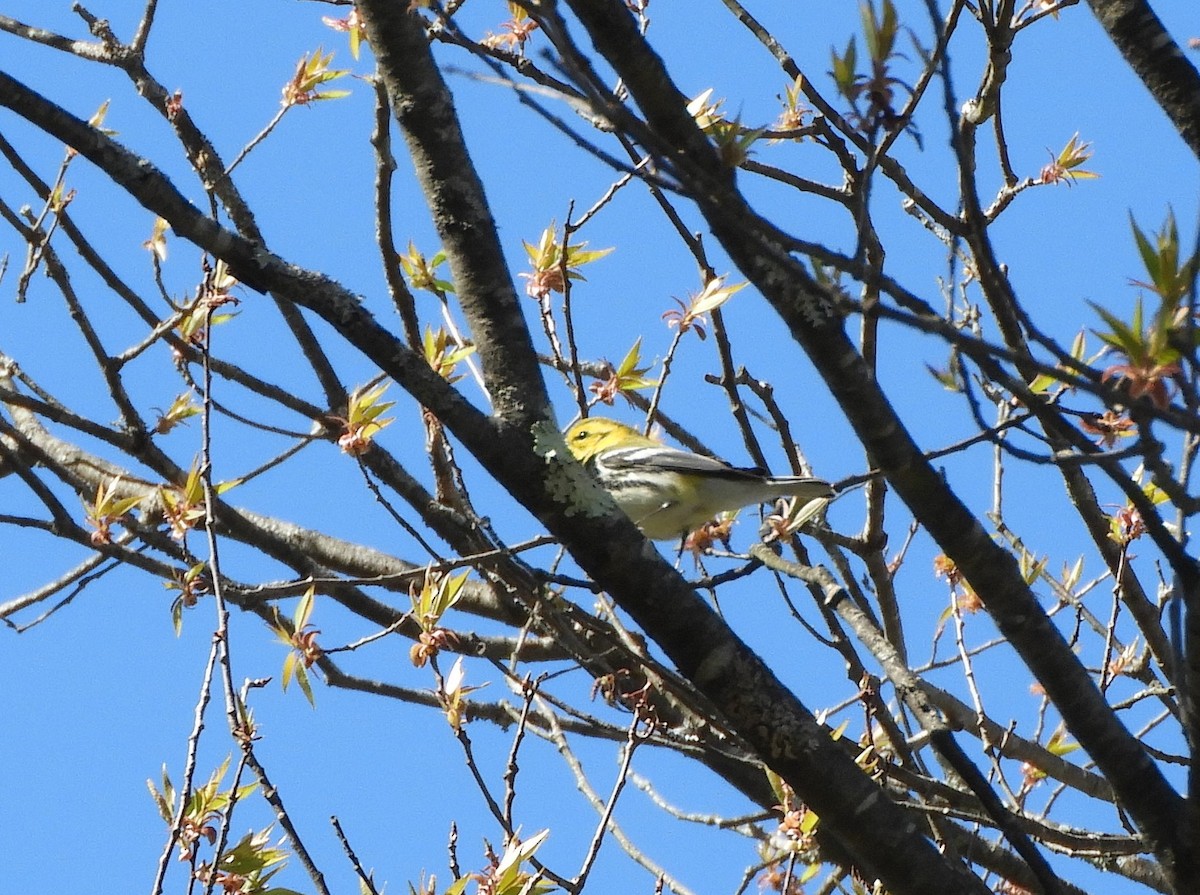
(591, 436)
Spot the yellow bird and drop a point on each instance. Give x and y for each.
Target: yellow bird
(670, 492)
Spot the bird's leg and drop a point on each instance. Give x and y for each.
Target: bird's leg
(679, 552)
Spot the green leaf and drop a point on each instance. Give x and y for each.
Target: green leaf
(305, 686)
(1149, 256)
(1060, 746)
(1124, 337)
(1079, 345)
(838, 732)
(948, 378)
(1071, 576)
(576, 255)
(778, 787)
(1156, 494)
(844, 68)
(168, 787)
(304, 608)
(1042, 383)
(630, 361)
(160, 800)
(449, 591)
(289, 668)
(714, 294)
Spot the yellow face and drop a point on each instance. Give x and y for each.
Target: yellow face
(586, 437)
(589, 437)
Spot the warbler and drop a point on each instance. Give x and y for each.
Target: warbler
(670, 492)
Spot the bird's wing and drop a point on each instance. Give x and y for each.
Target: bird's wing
(671, 460)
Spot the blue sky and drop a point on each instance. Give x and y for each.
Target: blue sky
(100, 696)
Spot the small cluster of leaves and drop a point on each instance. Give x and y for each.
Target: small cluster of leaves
(968, 600)
(691, 314)
(504, 874)
(364, 420)
(1152, 348)
(871, 95)
(1044, 382)
(794, 111)
(438, 594)
(555, 263)
(1170, 278)
(452, 694)
(1108, 426)
(1059, 745)
(192, 584)
(351, 25)
(513, 33)
(791, 515)
(199, 315)
(195, 318)
(217, 289)
(247, 868)
(874, 748)
(59, 198)
(311, 72)
(157, 243)
(1065, 167)
(181, 410)
(793, 840)
(96, 121)
(184, 508)
(704, 539)
(109, 509)
(301, 639)
(421, 272)
(1126, 525)
(443, 355)
(1032, 568)
(626, 377)
(201, 813)
(732, 139)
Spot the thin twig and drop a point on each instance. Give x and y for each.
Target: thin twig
(366, 878)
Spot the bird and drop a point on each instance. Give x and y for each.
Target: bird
(669, 492)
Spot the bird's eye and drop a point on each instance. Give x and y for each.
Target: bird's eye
(582, 434)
